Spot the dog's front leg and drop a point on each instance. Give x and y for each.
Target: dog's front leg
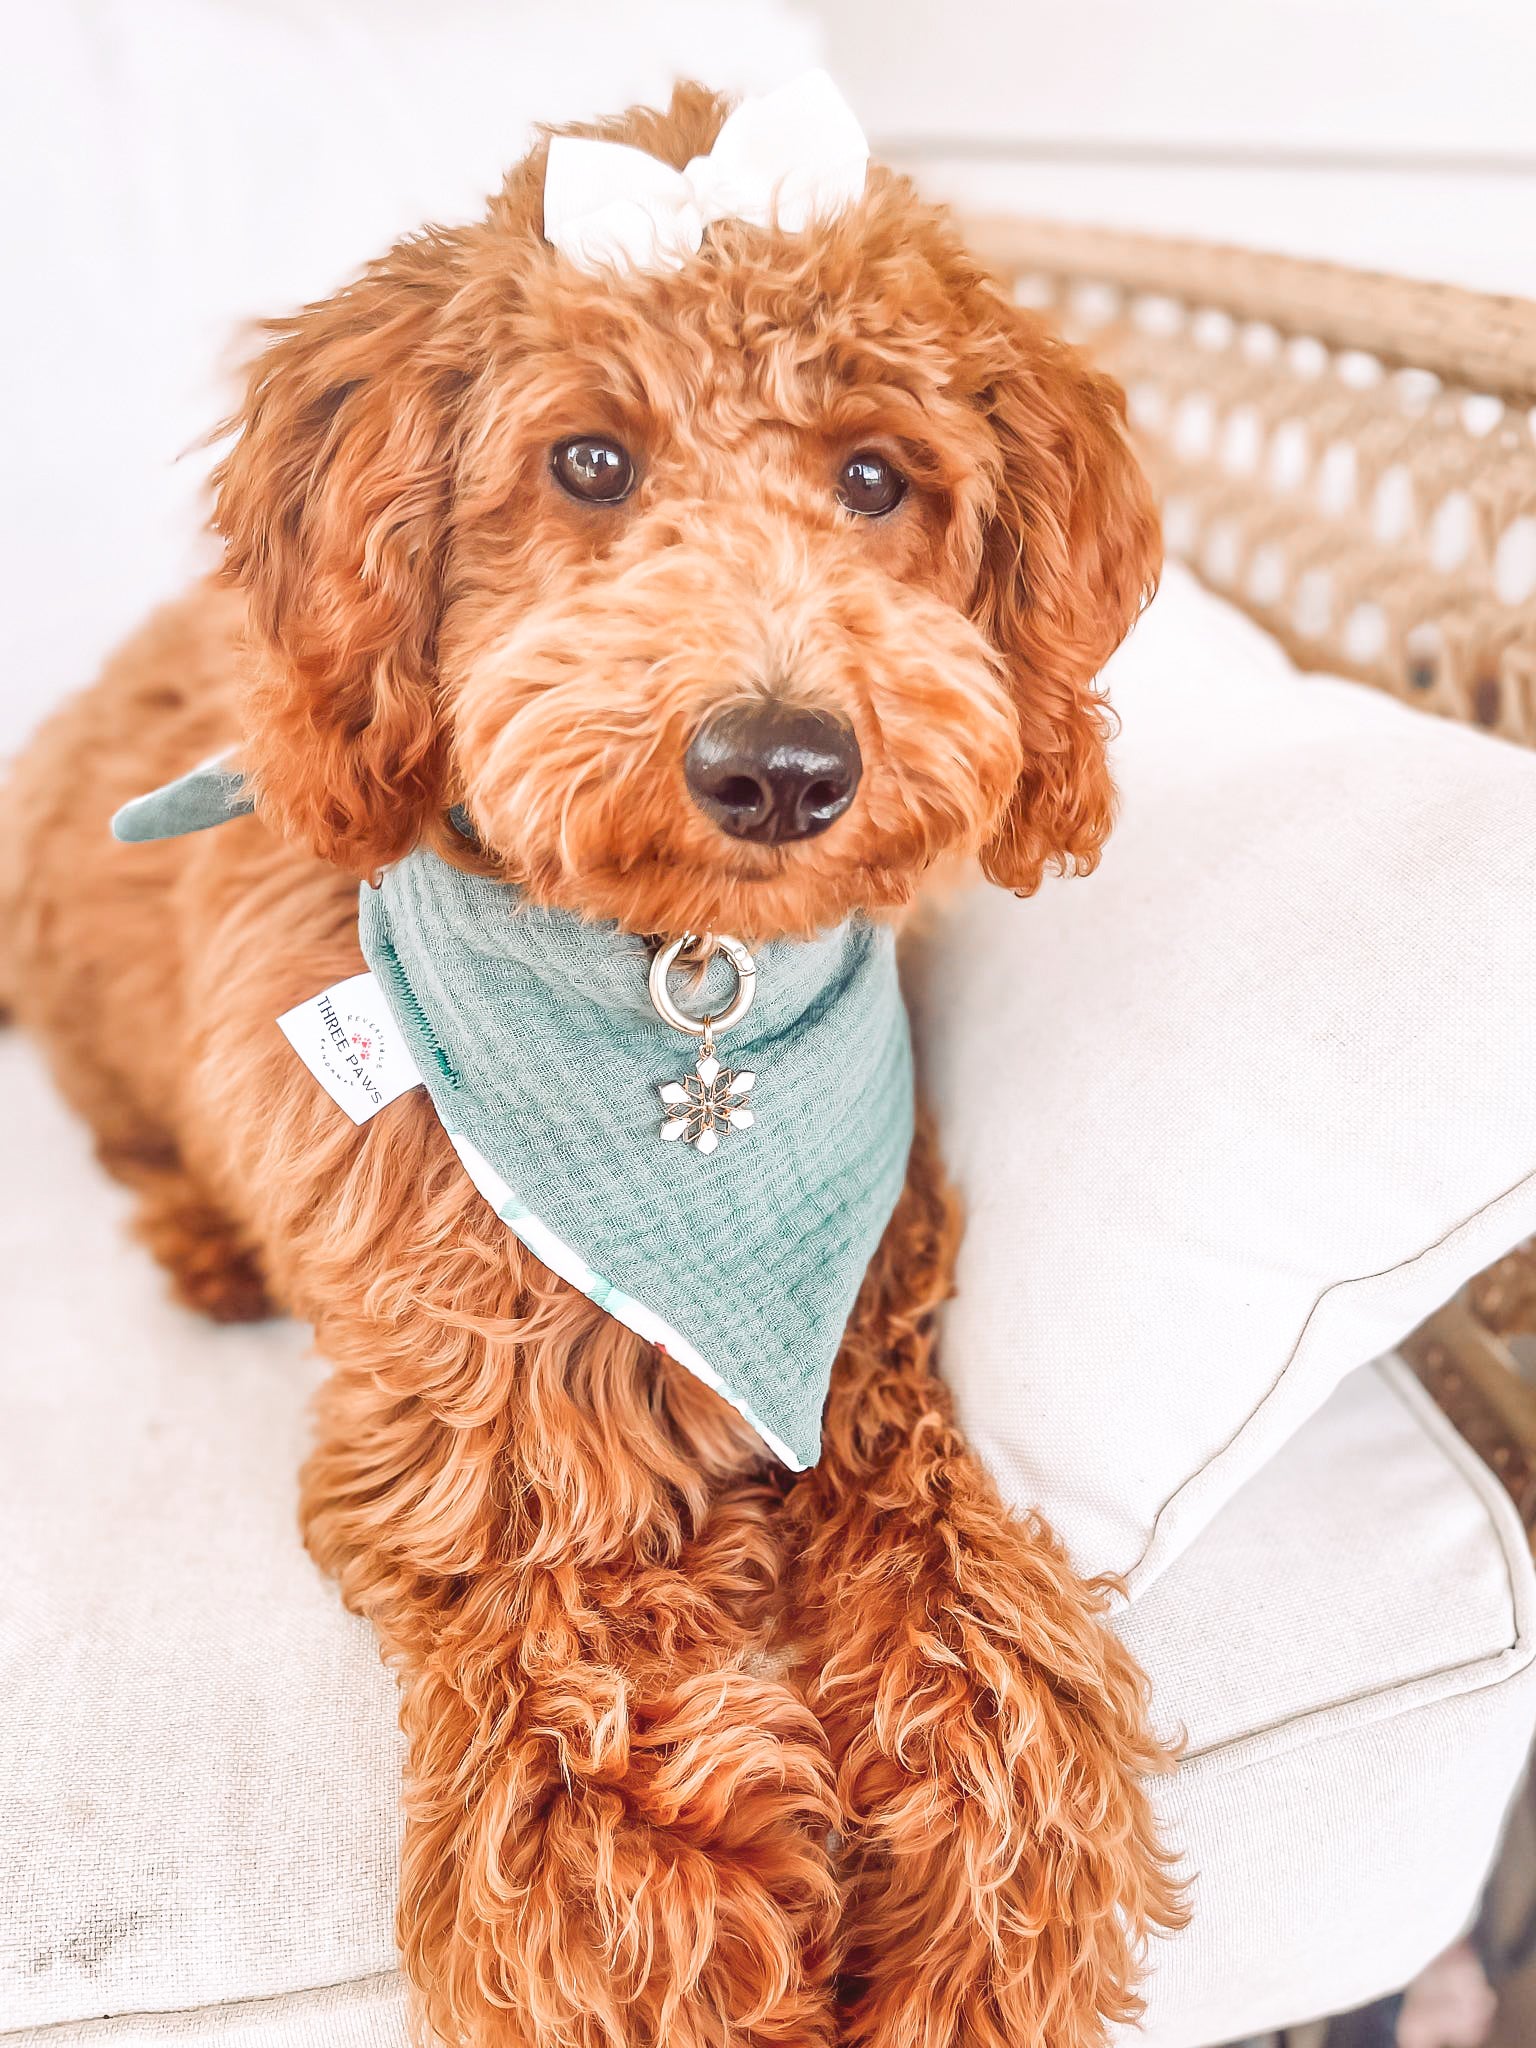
(989, 1734)
(616, 1829)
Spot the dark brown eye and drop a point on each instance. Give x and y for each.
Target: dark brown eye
(870, 485)
(596, 471)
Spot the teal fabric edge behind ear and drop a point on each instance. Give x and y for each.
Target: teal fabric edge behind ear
(207, 795)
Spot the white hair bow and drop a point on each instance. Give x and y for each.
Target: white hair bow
(793, 156)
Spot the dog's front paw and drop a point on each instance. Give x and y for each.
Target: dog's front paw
(1004, 1867)
(993, 1753)
(581, 1872)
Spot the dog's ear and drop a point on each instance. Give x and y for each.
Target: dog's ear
(1070, 554)
(333, 504)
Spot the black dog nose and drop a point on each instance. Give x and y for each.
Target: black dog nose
(773, 772)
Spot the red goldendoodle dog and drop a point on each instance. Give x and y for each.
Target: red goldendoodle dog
(837, 470)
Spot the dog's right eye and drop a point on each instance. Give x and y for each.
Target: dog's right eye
(596, 471)
(869, 485)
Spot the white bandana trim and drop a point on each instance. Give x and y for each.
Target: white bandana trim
(567, 1264)
(783, 160)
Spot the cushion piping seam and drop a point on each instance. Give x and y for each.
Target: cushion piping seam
(1503, 1516)
(1498, 1665)
(182, 2012)
(1516, 1188)
(1373, 1708)
(1336, 1720)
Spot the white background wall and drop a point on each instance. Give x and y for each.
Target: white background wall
(1399, 134)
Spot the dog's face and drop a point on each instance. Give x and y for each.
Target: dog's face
(729, 598)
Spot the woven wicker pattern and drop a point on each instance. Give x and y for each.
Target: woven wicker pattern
(1349, 457)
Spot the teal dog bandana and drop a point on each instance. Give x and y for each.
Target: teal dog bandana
(723, 1201)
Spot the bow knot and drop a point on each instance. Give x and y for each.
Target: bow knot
(790, 157)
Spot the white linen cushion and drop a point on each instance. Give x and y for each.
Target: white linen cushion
(199, 1767)
(1350, 1651)
(1234, 1113)
(198, 1759)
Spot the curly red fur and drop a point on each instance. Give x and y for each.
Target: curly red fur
(988, 1733)
(927, 1821)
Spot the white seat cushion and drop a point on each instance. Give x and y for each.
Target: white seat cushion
(1348, 1649)
(198, 1758)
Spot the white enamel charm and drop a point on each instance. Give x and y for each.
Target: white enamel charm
(712, 1099)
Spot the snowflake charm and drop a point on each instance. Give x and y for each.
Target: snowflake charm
(710, 1101)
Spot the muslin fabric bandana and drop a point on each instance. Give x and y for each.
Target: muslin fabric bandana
(544, 1060)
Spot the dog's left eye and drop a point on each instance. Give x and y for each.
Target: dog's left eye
(870, 485)
(596, 471)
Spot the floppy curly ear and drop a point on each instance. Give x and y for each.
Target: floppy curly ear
(333, 504)
(1069, 557)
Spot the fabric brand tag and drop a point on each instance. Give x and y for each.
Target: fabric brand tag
(350, 1042)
